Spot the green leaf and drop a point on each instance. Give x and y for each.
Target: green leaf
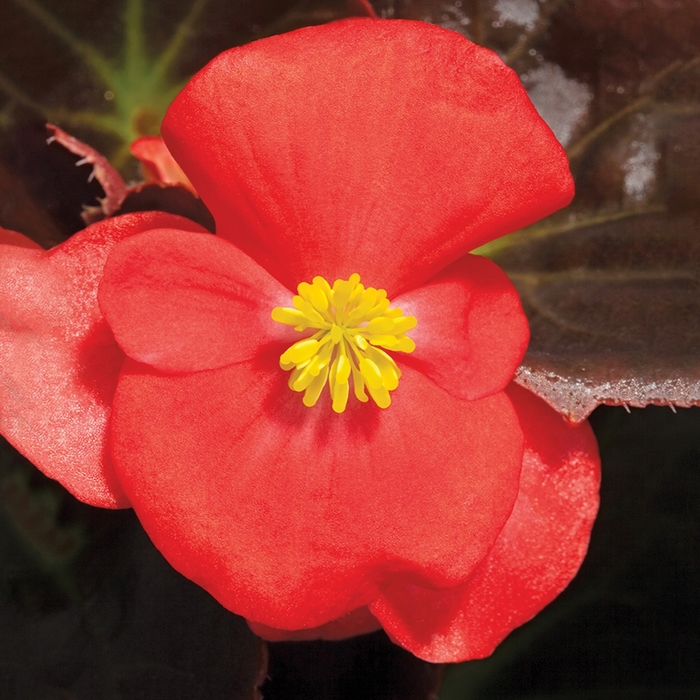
(107, 71)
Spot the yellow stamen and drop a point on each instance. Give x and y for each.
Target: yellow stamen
(350, 324)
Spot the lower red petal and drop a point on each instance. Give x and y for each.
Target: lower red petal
(352, 624)
(293, 516)
(537, 554)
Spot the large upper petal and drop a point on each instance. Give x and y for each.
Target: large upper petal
(388, 148)
(294, 516)
(535, 557)
(472, 331)
(58, 359)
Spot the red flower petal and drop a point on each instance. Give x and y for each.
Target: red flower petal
(58, 359)
(185, 303)
(538, 552)
(8, 237)
(471, 333)
(360, 621)
(294, 517)
(388, 148)
(158, 162)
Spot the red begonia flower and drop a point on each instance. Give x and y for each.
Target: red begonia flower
(389, 150)
(58, 358)
(536, 554)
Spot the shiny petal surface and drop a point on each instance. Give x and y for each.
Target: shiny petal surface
(387, 148)
(536, 555)
(472, 332)
(185, 303)
(58, 359)
(293, 517)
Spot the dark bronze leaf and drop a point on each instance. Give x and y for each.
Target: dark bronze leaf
(614, 310)
(89, 608)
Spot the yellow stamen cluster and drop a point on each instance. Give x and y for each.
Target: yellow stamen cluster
(352, 325)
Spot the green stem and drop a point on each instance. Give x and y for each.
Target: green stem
(16, 94)
(134, 51)
(106, 123)
(553, 228)
(180, 37)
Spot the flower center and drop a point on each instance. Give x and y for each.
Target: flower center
(352, 325)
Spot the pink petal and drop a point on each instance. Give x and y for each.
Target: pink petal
(159, 164)
(105, 173)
